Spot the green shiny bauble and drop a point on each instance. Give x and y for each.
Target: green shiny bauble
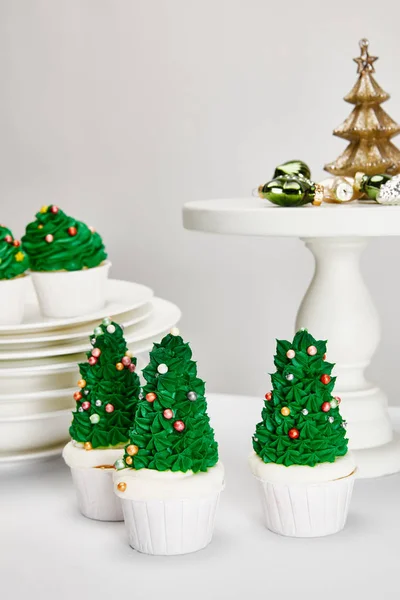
(293, 167)
(371, 184)
(288, 191)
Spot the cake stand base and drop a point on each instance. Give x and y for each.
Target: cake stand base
(378, 461)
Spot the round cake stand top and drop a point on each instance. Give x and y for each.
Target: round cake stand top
(253, 216)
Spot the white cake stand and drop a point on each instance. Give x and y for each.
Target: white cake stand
(337, 305)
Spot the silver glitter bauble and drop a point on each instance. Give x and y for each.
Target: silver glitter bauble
(304, 412)
(390, 192)
(290, 376)
(192, 396)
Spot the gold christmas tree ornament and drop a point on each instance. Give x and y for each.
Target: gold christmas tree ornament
(369, 128)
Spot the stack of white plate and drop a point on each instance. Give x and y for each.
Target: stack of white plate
(39, 365)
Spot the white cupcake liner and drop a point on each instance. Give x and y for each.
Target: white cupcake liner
(168, 527)
(12, 300)
(64, 294)
(306, 510)
(96, 498)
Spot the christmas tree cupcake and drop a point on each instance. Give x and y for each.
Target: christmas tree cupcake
(13, 264)
(170, 479)
(106, 403)
(301, 460)
(68, 264)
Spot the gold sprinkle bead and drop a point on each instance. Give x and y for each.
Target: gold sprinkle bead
(129, 460)
(88, 446)
(81, 383)
(121, 486)
(119, 366)
(132, 449)
(44, 210)
(285, 411)
(128, 353)
(40, 226)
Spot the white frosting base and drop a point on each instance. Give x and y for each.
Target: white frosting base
(342, 467)
(77, 457)
(149, 484)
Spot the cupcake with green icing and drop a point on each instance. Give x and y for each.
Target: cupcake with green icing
(68, 264)
(106, 401)
(170, 477)
(301, 457)
(13, 265)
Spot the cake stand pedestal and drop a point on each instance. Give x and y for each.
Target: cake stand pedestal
(337, 305)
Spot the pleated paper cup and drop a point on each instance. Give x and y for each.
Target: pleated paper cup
(95, 494)
(65, 294)
(180, 522)
(171, 526)
(306, 510)
(92, 473)
(12, 300)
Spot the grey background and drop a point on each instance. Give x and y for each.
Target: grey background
(121, 111)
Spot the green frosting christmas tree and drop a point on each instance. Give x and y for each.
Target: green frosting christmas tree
(171, 430)
(57, 242)
(13, 261)
(109, 391)
(301, 423)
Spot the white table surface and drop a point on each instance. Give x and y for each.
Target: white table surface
(49, 551)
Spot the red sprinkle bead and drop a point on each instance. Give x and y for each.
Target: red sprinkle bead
(92, 360)
(86, 405)
(16, 243)
(54, 209)
(126, 361)
(179, 425)
(8, 239)
(325, 379)
(109, 408)
(77, 396)
(338, 399)
(150, 397)
(72, 231)
(168, 414)
(268, 396)
(49, 238)
(325, 407)
(324, 357)
(294, 433)
(132, 367)
(96, 352)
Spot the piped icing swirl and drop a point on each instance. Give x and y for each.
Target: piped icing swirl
(57, 242)
(13, 260)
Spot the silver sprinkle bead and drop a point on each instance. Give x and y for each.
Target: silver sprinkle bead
(304, 412)
(290, 376)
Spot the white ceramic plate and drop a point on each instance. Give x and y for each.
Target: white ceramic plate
(26, 458)
(164, 316)
(81, 332)
(20, 405)
(122, 296)
(34, 432)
